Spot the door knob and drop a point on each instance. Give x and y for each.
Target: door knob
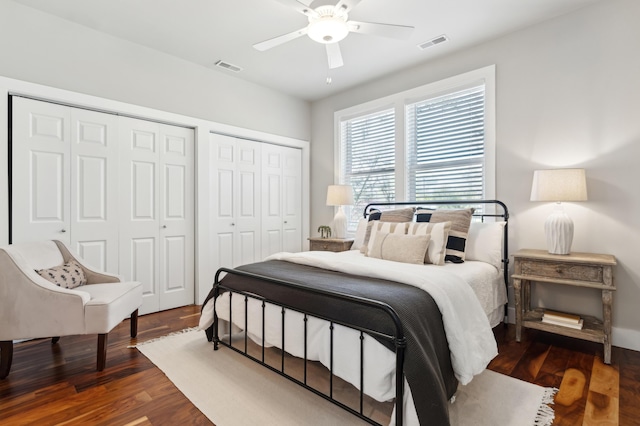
(233, 224)
(164, 226)
(63, 230)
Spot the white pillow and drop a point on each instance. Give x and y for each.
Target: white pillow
(484, 242)
(438, 244)
(400, 248)
(361, 231)
(388, 227)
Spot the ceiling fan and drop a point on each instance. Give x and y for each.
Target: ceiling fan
(329, 24)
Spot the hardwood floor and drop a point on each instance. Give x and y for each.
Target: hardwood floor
(58, 384)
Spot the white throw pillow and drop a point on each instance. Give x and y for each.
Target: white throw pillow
(400, 248)
(438, 244)
(484, 242)
(361, 231)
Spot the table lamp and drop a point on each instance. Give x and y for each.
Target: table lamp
(559, 185)
(340, 195)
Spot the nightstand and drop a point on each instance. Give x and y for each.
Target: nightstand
(586, 270)
(330, 244)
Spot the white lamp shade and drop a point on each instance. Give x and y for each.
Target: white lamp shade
(339, 195)
(559, 185)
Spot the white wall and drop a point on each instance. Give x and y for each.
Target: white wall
(568, 94)
(54, 59)
(40, 48)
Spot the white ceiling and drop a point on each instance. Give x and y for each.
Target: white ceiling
(205, 31)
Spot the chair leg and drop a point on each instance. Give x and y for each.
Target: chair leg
(6, 357)
(54, 340)
(102, 351)
(134, 323)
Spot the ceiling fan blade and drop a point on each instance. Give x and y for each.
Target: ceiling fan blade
(346, 5)
(301, 6)
(383, 30)
(334, 56)
(276, 41)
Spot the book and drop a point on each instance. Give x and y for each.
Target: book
(561, 316)
(577, 326)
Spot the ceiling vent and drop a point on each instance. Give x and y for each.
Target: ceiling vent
(437, 40)
(228, 66)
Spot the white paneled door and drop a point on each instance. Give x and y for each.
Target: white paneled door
(157, 212)
(64, 179)
(235, 204)
(281, 199)
(119, 190)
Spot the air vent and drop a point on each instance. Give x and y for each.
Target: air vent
(228, 66)
(437, 40)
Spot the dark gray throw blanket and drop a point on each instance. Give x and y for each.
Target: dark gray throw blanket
(427, 365)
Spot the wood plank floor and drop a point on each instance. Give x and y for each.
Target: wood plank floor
(58, 384)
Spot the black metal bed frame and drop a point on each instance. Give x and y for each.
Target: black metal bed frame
(397, 338)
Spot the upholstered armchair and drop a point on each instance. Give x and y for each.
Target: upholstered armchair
(34, 307)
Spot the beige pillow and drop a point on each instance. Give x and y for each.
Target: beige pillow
(400, 248)
(460, 222)
(439, 233)
(69, 275)
(389, 227)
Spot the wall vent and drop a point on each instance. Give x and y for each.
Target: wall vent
(228, 66)
(437, 40)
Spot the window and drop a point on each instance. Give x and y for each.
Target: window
(445, 147)
(435, 142)
(368, 159)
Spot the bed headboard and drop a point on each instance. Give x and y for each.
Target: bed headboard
(493, 209)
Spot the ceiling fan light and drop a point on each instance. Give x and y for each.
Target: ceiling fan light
(329, 29)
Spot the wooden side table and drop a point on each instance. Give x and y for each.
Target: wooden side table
(330, 244)
(587, 270)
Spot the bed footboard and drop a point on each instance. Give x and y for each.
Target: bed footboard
(397, 339)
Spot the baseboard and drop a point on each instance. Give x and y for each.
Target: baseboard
(625, 338)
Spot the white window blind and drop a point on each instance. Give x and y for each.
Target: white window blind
(368, 160)
(445, 146)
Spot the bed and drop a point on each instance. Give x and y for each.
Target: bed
(394, 331)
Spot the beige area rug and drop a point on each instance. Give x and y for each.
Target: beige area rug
(232, 390)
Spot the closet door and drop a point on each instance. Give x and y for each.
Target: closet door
(177, 222)
(292, 199)
(282, 199)
(140, 207)
(40, 171)
(235, 202)
(157, 212)
(64, 180)
(94, 187)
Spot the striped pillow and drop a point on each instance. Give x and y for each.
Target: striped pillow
(388, 227)
(460, 222)
(439, 232)
(423, 214)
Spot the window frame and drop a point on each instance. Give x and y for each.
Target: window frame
(400, 100)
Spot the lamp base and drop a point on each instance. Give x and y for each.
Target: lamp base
(559, 231)
(340, 223)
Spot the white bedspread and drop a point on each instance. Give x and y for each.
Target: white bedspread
(469, 334)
